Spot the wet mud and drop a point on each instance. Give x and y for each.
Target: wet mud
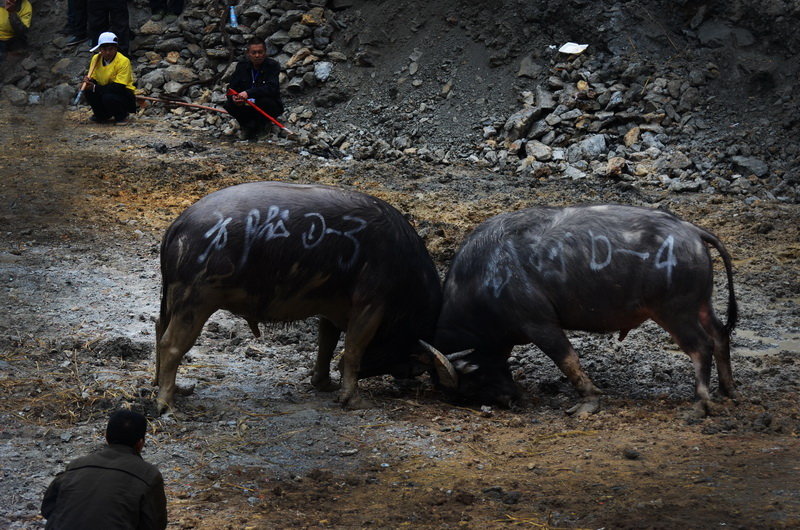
(254, 446)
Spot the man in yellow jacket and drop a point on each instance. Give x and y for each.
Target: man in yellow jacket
(15, 19)
(109, 86)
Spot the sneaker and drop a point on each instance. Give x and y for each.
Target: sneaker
(75, 40)
(95, 119)
(169, 19)
(121, 122)
(158, 15)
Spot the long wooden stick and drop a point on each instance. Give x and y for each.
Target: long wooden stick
(182, 104)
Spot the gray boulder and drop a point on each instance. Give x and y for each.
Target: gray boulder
(155, 79)
(539, 151)
(750, 165)
(589, 148)
(181, 74)
(517, 124)
(14, 95)
(61, 94)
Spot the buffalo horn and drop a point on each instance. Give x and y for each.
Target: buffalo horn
(459, 354)
(444, 368)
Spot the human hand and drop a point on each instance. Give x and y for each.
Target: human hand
(11, 5)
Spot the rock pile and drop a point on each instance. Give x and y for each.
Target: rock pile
(194, 57)
(191, 58)
(601, 114)
(603, 117)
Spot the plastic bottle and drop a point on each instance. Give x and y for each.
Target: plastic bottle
(234, 21)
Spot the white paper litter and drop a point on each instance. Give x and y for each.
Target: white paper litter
(572, 47)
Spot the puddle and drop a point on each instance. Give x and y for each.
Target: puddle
(750, 343)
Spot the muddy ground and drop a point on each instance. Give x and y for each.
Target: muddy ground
(83, 208)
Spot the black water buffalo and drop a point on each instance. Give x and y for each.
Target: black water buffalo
(526, 276)
(271, 251)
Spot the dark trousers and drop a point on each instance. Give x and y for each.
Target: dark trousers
(174, 6)
(76, 17)
(109, 15)
(7, 46)
(250, 120)
(107, 104)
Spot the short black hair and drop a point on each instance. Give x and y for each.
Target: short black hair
(126, 427)
(255, 41)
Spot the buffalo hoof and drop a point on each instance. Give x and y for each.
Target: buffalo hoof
(733, 395)
(163, 408)
(700, 409)
(585, 408)
(356, 402)
(326, 385)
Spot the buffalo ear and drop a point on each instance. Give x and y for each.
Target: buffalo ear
(444, 368)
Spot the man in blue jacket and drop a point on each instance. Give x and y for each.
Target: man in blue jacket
(255, 79)
(113, 488)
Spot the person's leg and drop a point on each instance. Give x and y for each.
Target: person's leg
(245, 116)
(76, 22)
(3, 46)
(119, 23)
(97, 18)
(272, 107)
(176, 7)
(116, 105)
(158, 8)
(76, 18)
(79, 14)
(96, 101)
(69, 28)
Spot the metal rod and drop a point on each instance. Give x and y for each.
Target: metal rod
(232, 92)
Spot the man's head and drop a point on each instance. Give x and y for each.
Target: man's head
(107, 46)
(256, 51)
(126, 427)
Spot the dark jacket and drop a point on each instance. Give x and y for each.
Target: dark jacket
(110, 489)
(261, 83)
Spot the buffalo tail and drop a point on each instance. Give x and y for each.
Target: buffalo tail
(733, 308)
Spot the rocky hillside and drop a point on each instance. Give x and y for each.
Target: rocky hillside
(678, 94)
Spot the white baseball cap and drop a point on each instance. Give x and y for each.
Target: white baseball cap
(105, 38)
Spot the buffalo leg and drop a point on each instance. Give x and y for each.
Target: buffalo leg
(554, 343)
(698, 345)
(360, 331)
(177, 339)
(722, 351)
(326, 340)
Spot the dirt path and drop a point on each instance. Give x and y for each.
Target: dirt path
(83, 208)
